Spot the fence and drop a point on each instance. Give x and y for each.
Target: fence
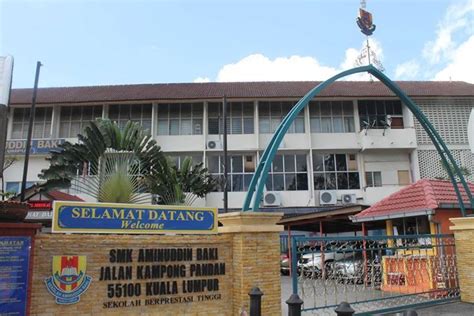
(374, 274)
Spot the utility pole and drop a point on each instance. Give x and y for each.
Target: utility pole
(30, 132)
(226, 162)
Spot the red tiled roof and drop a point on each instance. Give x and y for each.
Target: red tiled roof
(61, 196)
(423, 195)
(216, 90)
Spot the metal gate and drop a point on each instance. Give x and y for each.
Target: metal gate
(374, 274)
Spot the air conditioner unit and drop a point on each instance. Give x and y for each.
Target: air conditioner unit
(214, 144)
(348, 199)
(271, 199)
(327, 197)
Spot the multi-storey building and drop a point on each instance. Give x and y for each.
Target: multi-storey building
(340, 143)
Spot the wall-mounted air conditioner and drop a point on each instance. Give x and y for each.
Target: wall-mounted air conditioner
(348, 199)
(271, 199)
(214, 144)
(327, 197)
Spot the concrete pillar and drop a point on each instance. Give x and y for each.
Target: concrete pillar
(464, 238)
(256, 258)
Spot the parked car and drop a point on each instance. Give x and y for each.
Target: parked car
(359, 269)
(284, 264)
(311, 264)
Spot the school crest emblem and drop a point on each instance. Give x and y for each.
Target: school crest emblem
(69, 279)
(365, 23)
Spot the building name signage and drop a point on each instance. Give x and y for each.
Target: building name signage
(141, 277)
(115, 218)
(38, 146)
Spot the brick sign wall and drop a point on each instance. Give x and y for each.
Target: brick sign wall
(137, 274)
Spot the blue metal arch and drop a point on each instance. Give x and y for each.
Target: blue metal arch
(255, 191)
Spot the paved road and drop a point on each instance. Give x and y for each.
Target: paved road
(453, 309)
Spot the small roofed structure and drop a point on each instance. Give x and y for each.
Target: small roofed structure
(421, 208)
(40, 203)
(416, 217)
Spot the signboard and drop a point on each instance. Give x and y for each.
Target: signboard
(40, 205)
(117, 218)
(38, 146)
(163, 276)
(14, 261)
(39, 216)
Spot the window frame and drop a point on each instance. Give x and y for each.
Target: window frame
(233, 119)
(372, 183)
(123, 118)
(316, 116)
(195, 116)
(330, 172)
(273, 119)
(45, 122)
(73, 119)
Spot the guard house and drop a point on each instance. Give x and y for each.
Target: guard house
(421, 208)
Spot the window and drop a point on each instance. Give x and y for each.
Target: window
(331, 116)
(373, 113)
(271, 114)
(74, 119)
(403, 177)
(288, 172)
(41, 123)
(335, 172)
(177, 159)
(180, 119)
(15, 187)
(373, 178)
(138, 113)
(240, 171)
(239, 118)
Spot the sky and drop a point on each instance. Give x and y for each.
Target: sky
(138, 41)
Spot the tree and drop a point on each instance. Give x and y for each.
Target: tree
(120, 165)
(181, 185)
(9, 161)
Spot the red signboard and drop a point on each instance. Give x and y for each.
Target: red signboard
(35, 205)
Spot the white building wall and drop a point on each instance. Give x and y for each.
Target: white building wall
(375, 152)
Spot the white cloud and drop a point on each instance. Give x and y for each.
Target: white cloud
(461, 64)
(457, 17)
(202, 79)
(407, 70)
(258, 67)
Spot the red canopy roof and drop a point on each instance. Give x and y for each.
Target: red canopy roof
(61, 196)
(420, 197)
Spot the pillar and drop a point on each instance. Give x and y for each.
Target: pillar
(256, 258)
(464, 238)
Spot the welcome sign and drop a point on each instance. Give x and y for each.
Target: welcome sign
(117, 218)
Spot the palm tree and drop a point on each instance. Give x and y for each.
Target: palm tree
(183, 185)
(120, 165)
(108, 163)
